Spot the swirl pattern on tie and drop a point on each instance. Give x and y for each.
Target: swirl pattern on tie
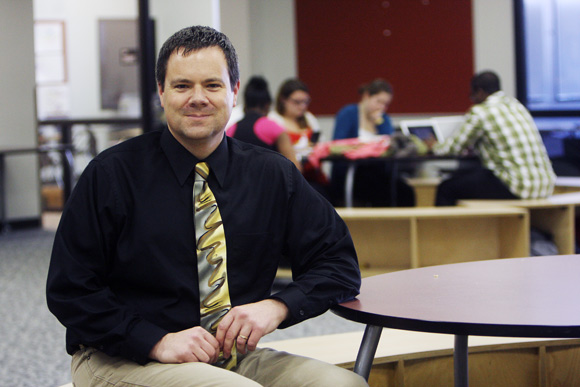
(211, 255)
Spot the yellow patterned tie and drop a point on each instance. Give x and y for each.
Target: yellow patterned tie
(211, 259)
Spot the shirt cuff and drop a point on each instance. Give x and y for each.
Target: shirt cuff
(141, 339)
(296, 302)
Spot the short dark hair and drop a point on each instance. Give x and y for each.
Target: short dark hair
(256, 94)
(192, 39)
(376, 86)
(488, 81)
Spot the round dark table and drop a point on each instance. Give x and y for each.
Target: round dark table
(517, 297)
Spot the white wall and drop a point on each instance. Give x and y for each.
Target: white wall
(173, 15)
(494, 40)
(17, 122)
(235, 19)
(264, 36)
(273, 38)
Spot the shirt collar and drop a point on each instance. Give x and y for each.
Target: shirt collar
(182, 162)
(218, 161)
(495, 96)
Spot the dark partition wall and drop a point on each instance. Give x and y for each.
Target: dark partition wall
(423, 47)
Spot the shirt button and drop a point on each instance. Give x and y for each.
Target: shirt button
(301, 312)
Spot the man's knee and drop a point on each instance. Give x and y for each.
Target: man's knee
(339, 377)
(310, 372)
(200, 375)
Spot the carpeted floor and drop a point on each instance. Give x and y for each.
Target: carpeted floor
(32, 352)
(31, 340)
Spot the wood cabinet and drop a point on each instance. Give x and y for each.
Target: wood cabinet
(554, 215)
(388, 239)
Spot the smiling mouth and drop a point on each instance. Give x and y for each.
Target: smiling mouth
(198, 115)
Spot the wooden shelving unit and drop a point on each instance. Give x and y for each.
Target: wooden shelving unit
(388, 239)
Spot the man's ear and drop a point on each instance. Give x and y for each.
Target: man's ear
(484, 95)
(479, 96)
(235, 91)
(160, 92)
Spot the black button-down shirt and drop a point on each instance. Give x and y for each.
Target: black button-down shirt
(123, 271)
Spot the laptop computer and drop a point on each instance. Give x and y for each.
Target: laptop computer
(423, 129)
(448, 125)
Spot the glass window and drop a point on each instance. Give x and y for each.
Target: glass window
(549, 41)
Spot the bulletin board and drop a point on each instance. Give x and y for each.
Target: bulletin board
(424, 48)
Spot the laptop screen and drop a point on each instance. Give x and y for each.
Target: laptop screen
(423, 129)
(423, 132)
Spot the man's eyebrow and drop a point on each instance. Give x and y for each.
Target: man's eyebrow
(185, 80)
(179, 80)
(210, 80)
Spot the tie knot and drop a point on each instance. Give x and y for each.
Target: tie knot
(202, 169)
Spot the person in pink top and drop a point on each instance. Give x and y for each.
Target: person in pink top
(256, 128)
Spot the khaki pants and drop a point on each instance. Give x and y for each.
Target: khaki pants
(263, 367)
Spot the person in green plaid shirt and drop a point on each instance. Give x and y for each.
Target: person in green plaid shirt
(514, 160)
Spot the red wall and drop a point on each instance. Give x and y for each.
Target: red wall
(423, 47)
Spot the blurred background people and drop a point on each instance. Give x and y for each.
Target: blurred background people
(366, 120)
(256, 128)
(291, 112)
(514, 160)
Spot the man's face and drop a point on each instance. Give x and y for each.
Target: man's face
(198, 98)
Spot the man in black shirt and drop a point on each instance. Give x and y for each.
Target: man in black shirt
(123, 274)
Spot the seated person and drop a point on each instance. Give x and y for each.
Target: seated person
(367, 120)
(256, 128)
(514, 160)
(291, 112)
(166, 252)
(369, 117)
